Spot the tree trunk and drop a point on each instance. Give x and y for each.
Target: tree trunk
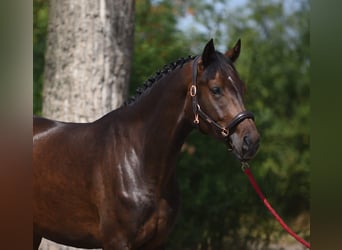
(88, 61)
(88, 58)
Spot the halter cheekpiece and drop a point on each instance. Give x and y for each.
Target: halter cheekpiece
(198, 112)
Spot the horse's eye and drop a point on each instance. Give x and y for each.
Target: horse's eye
(216, 91)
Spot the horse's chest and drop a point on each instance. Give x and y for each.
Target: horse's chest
(156, 229)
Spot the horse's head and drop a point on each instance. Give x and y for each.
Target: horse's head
(217, 101)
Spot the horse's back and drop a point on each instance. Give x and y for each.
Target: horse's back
(41, 124)
(63, 182)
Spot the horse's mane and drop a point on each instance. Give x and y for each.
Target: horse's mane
(158, 75)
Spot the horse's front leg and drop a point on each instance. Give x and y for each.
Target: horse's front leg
(160, 248)
(116, 244)
(115, 237)
(36, 241)
(117, 233)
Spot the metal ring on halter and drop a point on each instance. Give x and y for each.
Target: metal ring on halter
(225, 132)
(244, 165)
(193, 90)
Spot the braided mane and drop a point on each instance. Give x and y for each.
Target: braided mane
(154, 78)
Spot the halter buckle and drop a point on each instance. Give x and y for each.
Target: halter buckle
(196, 120)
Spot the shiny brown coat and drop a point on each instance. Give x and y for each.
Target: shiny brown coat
(111, 183)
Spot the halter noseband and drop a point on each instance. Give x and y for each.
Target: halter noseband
(225, 131)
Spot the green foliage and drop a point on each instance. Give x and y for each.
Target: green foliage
(156, 40)
(220, 209)
(40, 20)
(278, 80)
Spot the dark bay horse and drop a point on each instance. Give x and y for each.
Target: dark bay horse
(111, 183)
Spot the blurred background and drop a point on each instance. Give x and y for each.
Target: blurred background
(220, 210)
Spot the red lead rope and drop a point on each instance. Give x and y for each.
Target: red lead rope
(248, 172)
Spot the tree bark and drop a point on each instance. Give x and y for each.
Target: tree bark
(88, 58)
(88, 61)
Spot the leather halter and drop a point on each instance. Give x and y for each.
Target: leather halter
(224, 131)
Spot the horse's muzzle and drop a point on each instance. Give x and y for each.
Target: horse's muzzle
(250, 146)
(244, 147)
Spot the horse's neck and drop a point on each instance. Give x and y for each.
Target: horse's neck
(164, 111)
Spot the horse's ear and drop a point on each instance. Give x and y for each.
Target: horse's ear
(234, 52)
(208, 54)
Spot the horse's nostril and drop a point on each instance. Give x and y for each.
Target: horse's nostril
(249, 145)
(246, 143)
(246, 139)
